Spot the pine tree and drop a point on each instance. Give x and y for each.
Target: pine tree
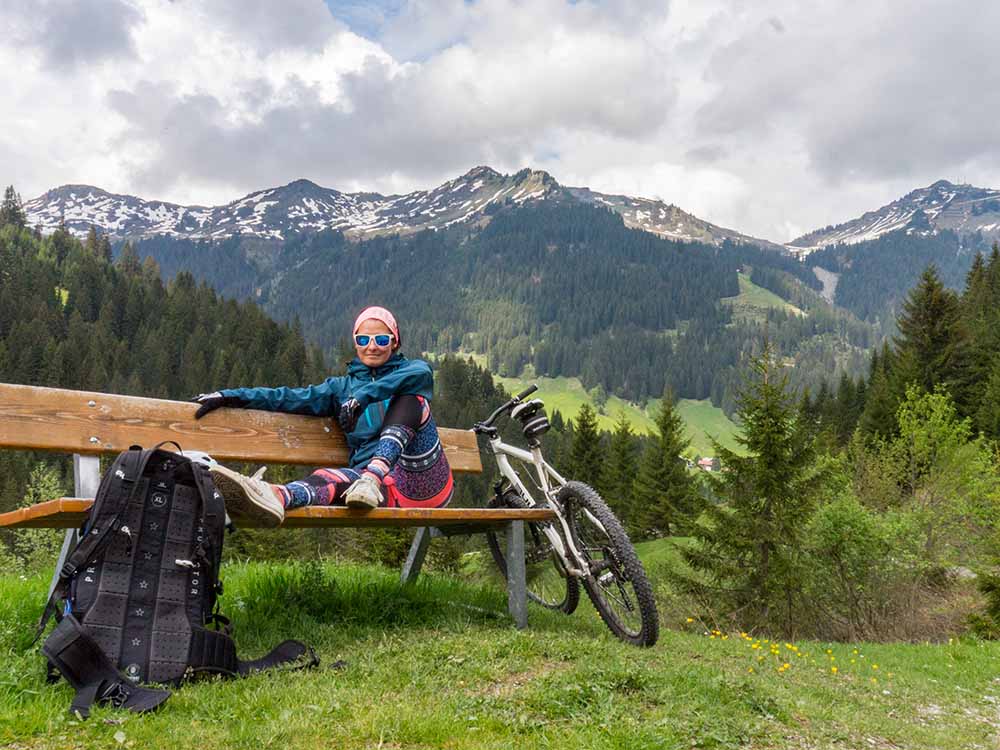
(587, 453)
(104, 251)
(745, 562)
(666, 499)
(878, 417)
(91, 243)
(11, 210)
(620, 471)
(932, 347)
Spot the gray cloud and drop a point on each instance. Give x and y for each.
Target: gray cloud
(272, 26)
(464, 107)
(872, 90)
(73, 33)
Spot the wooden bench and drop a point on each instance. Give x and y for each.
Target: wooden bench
(89, 425)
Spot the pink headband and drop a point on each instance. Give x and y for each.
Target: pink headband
(380, 314)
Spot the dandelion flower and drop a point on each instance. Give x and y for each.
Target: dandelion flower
(833, 669)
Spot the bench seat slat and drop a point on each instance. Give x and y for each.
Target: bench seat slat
(87, 423)
(69, 513)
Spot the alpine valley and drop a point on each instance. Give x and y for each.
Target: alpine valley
(631, 295)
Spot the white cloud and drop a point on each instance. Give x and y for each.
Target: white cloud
(765, 117)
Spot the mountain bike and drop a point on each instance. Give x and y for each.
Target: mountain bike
(584, 544)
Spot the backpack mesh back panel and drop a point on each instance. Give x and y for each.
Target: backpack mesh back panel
(153, 585)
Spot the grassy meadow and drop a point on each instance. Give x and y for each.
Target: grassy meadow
(438, 665)
(567, 395)
(754, 301)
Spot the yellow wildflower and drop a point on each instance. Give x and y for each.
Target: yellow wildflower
(833, 669)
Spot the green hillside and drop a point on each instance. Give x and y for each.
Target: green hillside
(753, 301)
(567, 395)
(439, 665)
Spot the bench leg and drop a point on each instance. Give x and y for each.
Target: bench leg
(86, 480)
(416, 555)
(517, 588)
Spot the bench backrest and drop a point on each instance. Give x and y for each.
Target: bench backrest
(87, 423)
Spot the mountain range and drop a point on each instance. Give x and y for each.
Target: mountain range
(303, 206)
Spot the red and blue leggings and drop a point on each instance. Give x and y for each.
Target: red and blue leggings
(409, 462)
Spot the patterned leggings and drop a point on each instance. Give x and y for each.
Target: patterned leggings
(408, 460)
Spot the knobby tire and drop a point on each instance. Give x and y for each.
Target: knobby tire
(617, 580)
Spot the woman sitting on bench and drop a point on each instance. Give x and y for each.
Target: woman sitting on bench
(383, 406)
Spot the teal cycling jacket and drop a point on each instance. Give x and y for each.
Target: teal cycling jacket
(372, 387)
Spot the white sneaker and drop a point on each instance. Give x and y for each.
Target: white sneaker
(366, 492)
(249, 498)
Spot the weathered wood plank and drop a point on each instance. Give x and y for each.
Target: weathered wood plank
(94, 423)
(70, 512)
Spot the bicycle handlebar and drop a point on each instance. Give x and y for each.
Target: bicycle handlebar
(487, 425)
(526, 392)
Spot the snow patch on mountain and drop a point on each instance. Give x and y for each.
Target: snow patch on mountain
(963, 208)
(303, 206)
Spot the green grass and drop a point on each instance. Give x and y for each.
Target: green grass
(704, 420)
(438, 665)
(754, 301)
(567, 395)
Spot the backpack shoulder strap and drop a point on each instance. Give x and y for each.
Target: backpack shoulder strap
(125, 472)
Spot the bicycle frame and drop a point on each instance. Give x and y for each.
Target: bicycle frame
(549, 482)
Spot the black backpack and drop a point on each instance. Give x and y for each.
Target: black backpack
(138, 592)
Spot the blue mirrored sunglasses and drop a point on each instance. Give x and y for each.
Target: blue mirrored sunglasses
(382, 340)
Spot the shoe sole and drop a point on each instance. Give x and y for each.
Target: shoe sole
(240, 503)
(360, 503)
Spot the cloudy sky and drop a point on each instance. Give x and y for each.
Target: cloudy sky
(771, 117)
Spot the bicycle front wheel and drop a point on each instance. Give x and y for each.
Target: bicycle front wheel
(617, 583)
(547, 582)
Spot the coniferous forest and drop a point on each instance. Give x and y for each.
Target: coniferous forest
(565, 288)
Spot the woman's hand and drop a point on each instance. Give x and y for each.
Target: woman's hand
(212, 401)
(350, 410)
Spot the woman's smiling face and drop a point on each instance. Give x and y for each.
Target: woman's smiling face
(373, 355)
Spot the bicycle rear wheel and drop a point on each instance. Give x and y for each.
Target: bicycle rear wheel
(617, 584)
(547, 582)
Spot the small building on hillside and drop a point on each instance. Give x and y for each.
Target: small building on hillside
(708, 464)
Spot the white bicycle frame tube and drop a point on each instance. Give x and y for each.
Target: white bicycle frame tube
(573, 561)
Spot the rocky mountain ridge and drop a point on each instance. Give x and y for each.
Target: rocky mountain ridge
(965, 209)
(303, 206)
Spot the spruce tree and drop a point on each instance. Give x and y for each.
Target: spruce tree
(666, 499)
(11, 210)
(620, 471)
(878, 417)
(745, 562)
(587, 453)
(932, 347)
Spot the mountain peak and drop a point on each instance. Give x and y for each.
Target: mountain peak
(964, 209)
(482, 171)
